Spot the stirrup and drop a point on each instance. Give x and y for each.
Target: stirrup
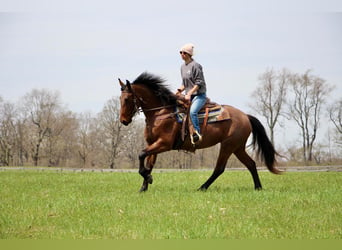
(193, 142)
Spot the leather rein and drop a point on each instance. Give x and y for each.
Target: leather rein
(138, 108)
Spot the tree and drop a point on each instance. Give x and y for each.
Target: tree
(12, 136)
(309, 94)
(61, 139)
(89, 147)
(270, 97)
(112, 130)
(40, 107)
(133, 142)
(84, 131)
(335, 115)
(7, 133)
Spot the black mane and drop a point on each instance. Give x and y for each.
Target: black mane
(156, 84)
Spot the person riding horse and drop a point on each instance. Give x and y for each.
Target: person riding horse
(149, 95)
(194, 86)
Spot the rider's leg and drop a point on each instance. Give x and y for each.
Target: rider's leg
(196, 104)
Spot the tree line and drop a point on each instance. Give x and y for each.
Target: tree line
(39, 130)
(304, 100)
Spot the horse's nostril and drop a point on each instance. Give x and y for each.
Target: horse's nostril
(125, 123)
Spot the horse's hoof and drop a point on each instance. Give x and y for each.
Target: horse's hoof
(203, 189)
(143, 189)
(149, 179)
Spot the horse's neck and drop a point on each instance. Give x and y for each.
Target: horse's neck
(147, 99)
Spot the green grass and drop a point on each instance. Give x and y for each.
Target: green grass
(47, 205)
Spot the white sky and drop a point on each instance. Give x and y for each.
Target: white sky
(80, 48)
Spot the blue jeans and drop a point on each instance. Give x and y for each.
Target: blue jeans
(197, 103)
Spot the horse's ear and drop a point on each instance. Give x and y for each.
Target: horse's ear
(128, 84)
(121, 84)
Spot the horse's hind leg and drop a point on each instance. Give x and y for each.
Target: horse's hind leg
(145, 172)
(220, 166)
(250, 164)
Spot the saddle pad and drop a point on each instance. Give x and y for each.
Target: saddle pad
(213, 116)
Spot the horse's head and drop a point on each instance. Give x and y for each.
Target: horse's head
(128, 103)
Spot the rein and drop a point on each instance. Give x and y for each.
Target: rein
(157, 108)
(138, 108)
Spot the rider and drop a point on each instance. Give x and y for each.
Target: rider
(194, 86)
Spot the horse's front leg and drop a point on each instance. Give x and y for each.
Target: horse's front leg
(145, 172)
(150, 153)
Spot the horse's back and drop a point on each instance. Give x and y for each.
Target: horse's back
(239, 121)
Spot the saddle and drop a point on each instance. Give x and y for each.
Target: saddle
(211, 112)
(186, 104)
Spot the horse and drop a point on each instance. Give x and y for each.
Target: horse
(149, 94)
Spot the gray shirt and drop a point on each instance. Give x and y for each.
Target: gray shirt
(192, 74)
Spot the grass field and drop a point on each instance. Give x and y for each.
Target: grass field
(47, 205)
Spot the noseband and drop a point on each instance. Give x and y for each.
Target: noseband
(137, 108)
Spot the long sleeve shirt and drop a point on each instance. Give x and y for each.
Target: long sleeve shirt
(192, 74)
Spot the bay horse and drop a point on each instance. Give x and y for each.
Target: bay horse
(149, 94)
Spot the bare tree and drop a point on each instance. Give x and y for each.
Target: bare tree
(84, 131)
(335, 115)
(269, 97)
(7, 133)
(89, 147)
(133, 142)
(12, 135)
(40, 106)
(309, 94)
(112, 130)
(61, 139)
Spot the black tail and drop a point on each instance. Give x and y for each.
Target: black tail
(265, 149)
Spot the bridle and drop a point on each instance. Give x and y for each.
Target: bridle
(138, 103)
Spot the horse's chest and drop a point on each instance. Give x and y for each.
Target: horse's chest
(151, 133)
(154, 130)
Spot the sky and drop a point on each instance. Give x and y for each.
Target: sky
(80, 48)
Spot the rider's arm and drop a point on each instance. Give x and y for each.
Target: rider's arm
(191, 92)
